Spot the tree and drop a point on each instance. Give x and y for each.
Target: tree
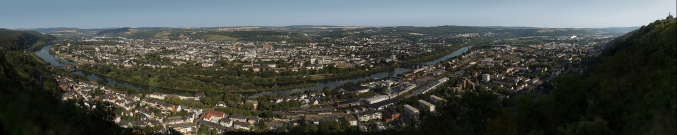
(204, 129)
(262, 126)
(345, 124)
(156, 128)
(101, 81)
(173, 132)
(311, 128)
(148, 130)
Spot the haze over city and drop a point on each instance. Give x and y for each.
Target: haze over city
(208, 13)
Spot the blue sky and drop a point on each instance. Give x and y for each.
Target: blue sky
(212, 13)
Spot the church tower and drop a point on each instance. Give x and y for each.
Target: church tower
(670, 17)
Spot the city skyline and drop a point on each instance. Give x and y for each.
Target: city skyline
(552, 14)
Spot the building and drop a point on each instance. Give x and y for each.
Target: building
(369, 115)
(425, 104)
(430, 86)
(390, 115)
(241, 125)
(348, 103)
(226, 122)
(384, 104)
(213, 116)
(157, 95)
(354, 89)
(436, 99)
(409, 109)
(238, 117)
(377, 99)
(400, 89)
(486, 78)
(221, 104)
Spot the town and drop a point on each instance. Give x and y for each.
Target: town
(295, 67)
(372, 105)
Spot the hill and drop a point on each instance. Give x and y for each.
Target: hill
(30, 97)
(21, 40)
(629, 89)
(116, 32)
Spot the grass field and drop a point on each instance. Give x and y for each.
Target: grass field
(162, 34)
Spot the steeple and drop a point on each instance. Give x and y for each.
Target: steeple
(670, 17)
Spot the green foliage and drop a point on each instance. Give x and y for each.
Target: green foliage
(114, 32)
(329, 126)
(628, 89)
(261, 126)
(467, 115)
(31, 100)
(21, 40)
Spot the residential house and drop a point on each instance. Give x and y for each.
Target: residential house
(213, 116)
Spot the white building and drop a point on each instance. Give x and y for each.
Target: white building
(377, 99)
(436, 99)
(410, 110)
(486, 78)
(424, 104)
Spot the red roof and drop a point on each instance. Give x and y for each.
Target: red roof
(209, 114)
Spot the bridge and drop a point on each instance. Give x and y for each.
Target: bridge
(411, 65)
(67, 67)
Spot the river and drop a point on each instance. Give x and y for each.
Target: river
(52, 59)
(44, 54)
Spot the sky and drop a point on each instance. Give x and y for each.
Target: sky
(15, 14)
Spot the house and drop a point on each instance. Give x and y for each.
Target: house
(221, 104)
(175, 120)
(213, 116)
(215, 126)
(191, 116)
(183, 128)
(369, 115)
(226, 122)
(253, 120)
(241, 125)
(351, 120)
(200, 95)
(279, 99)
(390, 115)
(157, 95)
(314, 102)
(348, 103)
(238, 117)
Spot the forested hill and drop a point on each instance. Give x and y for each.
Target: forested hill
(20, 40)
(30, 98)
(633, 84)
(631, 88)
